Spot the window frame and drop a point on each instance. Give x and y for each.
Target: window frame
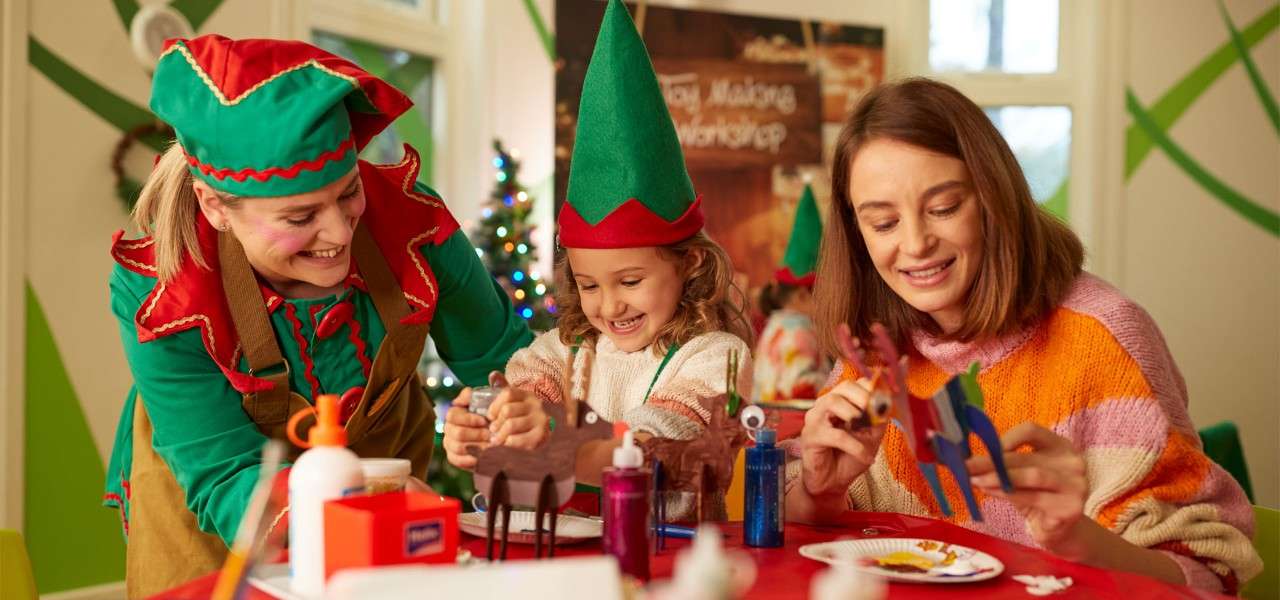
(1089, 65)
(439, 30)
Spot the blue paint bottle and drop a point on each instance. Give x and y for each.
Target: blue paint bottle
(763, 514)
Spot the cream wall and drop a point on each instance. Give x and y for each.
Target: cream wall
(71, 191)
(1209, 277)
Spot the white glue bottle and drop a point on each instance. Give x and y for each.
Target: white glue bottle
(326, 471)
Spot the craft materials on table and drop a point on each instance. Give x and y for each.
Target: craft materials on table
(251, 542)
(845, 582)
(326, 471)
(908, 559)
(569, 529)
(763, 500)
(626, 509)
(936, 430)
(396, 528)
(1043, 585)
(542, 477)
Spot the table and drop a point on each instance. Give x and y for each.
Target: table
(783, 573)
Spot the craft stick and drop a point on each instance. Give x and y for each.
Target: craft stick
(852, 350)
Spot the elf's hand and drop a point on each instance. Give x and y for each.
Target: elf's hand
(1050, 485)
(462, 429)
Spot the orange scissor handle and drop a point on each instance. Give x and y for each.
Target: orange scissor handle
(293, 424)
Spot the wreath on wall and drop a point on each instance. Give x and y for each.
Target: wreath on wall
(127, 187)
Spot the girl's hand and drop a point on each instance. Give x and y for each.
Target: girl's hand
(832, 455)
(516, 419)
(1049, 483)
(462, 430)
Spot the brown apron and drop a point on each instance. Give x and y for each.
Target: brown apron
(393, 419)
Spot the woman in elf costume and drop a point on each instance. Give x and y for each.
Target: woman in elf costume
(790, 364)
(647, 321)
(277, 267)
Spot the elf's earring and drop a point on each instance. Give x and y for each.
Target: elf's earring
(224, 227)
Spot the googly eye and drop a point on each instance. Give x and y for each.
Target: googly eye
(753, 417)
(592, 418)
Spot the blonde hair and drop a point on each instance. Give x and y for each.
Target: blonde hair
(167, 209)
(710, 301)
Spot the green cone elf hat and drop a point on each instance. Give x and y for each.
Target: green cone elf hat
(269, 117)
(802, 249)
(628, 186)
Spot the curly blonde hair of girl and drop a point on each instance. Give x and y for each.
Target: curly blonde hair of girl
(710, 301)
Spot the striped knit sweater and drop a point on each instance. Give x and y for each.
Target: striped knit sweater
(1097, 371)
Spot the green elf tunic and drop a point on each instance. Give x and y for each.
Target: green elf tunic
(220, 360)
(200, 428)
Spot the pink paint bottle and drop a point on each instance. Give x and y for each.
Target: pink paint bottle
(626, 509)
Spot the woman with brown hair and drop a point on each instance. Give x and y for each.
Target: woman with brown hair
(934, 234)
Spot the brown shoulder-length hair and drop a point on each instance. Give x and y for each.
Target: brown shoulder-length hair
(710, 301)
(1030, 257)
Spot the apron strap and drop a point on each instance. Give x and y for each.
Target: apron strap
(253, 327)
(385, 291)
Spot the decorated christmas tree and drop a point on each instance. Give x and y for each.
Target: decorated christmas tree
(504, 241)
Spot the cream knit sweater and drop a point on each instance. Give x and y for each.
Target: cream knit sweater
(691, 385)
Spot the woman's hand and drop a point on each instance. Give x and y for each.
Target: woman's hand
(833, 456)
(1049, 484)
(462, 430)
(516, 419)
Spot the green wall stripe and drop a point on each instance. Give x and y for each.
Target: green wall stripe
(1057, 203)
(114, 109)
(540, 26)
(412, 125)
(126, 9)
(1255, 78)
(1165, 111)
(1248, 209)
(74, 542)
(196, 11)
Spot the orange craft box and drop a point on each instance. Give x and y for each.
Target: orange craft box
(390, 529)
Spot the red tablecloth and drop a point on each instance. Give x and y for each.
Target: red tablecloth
(783, 573)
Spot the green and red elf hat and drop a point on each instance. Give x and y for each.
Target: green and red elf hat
(628, 186)
(269, 117)
(801, 258)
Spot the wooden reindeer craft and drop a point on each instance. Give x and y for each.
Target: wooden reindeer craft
(937, 429)
(704, 465)
(542, 477)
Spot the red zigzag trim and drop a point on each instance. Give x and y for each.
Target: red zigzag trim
(287, 173)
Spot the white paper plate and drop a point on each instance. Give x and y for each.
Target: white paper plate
(569, 529)
(947, 563)
(274, 578)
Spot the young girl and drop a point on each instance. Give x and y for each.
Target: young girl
(647, 322)
(790, 364)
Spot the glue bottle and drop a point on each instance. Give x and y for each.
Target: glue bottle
(327, 470)
(764, 492)
(626, 509)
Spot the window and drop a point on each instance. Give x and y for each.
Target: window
(1018, 60)
(411, 74)
(403, 42)
(1010, 36)
(1040, 137)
